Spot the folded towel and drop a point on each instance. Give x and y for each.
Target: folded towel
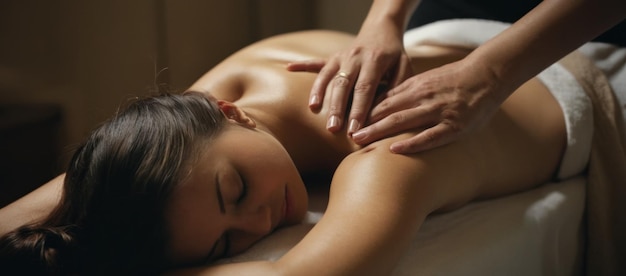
(606, 177)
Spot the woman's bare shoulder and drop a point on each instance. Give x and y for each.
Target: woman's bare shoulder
(374, 166)
(234, 72)
(293, 46)
(322, 42)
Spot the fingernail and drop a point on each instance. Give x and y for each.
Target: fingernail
(354, 126)
(359, 135)
(333, 122)
(314, 100)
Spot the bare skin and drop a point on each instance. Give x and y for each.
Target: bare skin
(378, 199)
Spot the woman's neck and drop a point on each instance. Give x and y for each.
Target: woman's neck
(312, 148)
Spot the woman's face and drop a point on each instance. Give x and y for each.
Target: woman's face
(243, 186)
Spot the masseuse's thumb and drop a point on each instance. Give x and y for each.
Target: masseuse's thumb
(428, 139)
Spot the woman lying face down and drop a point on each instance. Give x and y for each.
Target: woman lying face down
(117, 188)
(242, 186)
(182, 180)
(170, 180)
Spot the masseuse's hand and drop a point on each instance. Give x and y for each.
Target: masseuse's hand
(444, 103)
(376, 55)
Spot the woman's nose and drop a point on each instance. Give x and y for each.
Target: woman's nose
(257, 221)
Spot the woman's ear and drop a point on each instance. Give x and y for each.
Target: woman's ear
(235, 114)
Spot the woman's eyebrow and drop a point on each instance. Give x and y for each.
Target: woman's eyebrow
(218, 192)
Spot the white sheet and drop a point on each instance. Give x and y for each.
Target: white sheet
(537, 232)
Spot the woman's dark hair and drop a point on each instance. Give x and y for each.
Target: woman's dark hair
(111, 215)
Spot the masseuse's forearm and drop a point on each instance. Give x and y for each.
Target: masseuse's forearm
(543, 36)
(396, 12)
(32, 207)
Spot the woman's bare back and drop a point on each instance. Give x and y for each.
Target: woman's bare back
(256, 79)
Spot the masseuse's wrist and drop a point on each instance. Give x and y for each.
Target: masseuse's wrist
(494, 75)
(382, 23)
(389, 13)
(381, 29)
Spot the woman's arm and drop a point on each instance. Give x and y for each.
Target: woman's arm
(32, 207)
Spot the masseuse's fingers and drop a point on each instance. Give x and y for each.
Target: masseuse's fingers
(430, 138)
(318, 90)
(404, 119)
(435, 130)
(441, 104)
(341, 86)
(363, 95)
(399, 98)
(313, 65)
(376, 75)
